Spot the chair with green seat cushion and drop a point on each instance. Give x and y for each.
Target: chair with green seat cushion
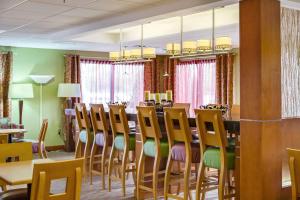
(213, 140)
(212, 157)
(119, 142)
(149, 148)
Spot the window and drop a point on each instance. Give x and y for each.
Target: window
(195, 82)
(104, 82)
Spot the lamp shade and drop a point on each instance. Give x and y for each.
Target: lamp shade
(126, 54)
(69, 90)
(21, 91)
(173, 49)
(189, 47)
(115, 55)
(135, 53)
(223, 43)
(42, 79)
(203, 45)
(149, 53)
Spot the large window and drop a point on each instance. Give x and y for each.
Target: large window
(196, 82)
(104, 82)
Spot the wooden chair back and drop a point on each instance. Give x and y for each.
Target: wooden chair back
(83, 120)
(177, 125)
(212, 118)
(44, 173)
(19, 151)
(148, 122)
(294, 165)
(118, 120)
(3, 139)
(98, 118)
(186, 106)
(43, 131)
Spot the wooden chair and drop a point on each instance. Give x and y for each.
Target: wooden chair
(123, 142)
(102, 140)
(85, 139)
(186, 106)
(15, 152)
(152, 145)
(3, 140)
(181, 149)
(294, 164)
(38, 146)
(215, 153)
(44, 173)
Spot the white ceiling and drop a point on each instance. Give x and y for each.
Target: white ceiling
(94, 24)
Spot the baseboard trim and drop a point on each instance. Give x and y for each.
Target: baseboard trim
(55, 148)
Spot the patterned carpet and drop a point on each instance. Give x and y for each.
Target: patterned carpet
(95, 192)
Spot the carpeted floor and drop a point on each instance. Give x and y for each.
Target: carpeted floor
(95, 192)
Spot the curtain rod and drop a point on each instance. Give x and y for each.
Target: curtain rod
(91, 57)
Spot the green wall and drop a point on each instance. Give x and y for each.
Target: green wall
(27, 61)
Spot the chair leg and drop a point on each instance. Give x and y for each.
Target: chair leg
(124, 167)
(221, 186)
(93, 152)
(200, 179)
(187, 171)
(167, 176)
(156, 166)
(140, 173)
(110, 166)
(103, 164)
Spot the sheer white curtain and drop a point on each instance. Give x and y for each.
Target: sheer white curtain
(96, 81)
(196, 83)
(128, 84)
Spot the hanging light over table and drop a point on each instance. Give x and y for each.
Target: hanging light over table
(223, 43)
(173, 49)
(203, 46)
(149, 53)
(135, 54)
(189, 47)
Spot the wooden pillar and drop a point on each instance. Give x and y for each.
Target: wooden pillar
(260, 177)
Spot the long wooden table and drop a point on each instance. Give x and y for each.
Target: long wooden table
(11, 132)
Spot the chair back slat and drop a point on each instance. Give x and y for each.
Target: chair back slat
(43, 131)
(294, 165)
(148, 122)
(177, 125)
(44, 173)
(82, 116)
(186, 106)
(217, 135)
(118, 120)
(98, 118)
(21, 151)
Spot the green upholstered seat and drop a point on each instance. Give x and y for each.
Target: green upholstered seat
(149, 148)
(119, 142)
(211, 158)
(82, 136)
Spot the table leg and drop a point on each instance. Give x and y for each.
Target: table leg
(9, 138)
(28, 191)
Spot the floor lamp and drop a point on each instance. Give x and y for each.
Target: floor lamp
(69, 90)
(41, 80)
(21, 91)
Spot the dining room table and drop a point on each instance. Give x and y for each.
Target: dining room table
(10, 132)
(19, 172)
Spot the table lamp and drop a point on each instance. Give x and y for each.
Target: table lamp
(69, 90)
(21, 92)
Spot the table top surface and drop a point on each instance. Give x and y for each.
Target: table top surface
(17, 173)
(12, 131)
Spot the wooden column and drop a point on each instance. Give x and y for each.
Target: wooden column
(261, 153)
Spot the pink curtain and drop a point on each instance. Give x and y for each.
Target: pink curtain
(96, 81)
(195, 82)
(128, 84)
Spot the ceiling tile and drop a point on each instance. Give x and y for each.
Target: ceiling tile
(112, 5)
(5, 4)
(83, 12)
(42, 7)
(65, 19)
(68, 2)
(21, 14)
